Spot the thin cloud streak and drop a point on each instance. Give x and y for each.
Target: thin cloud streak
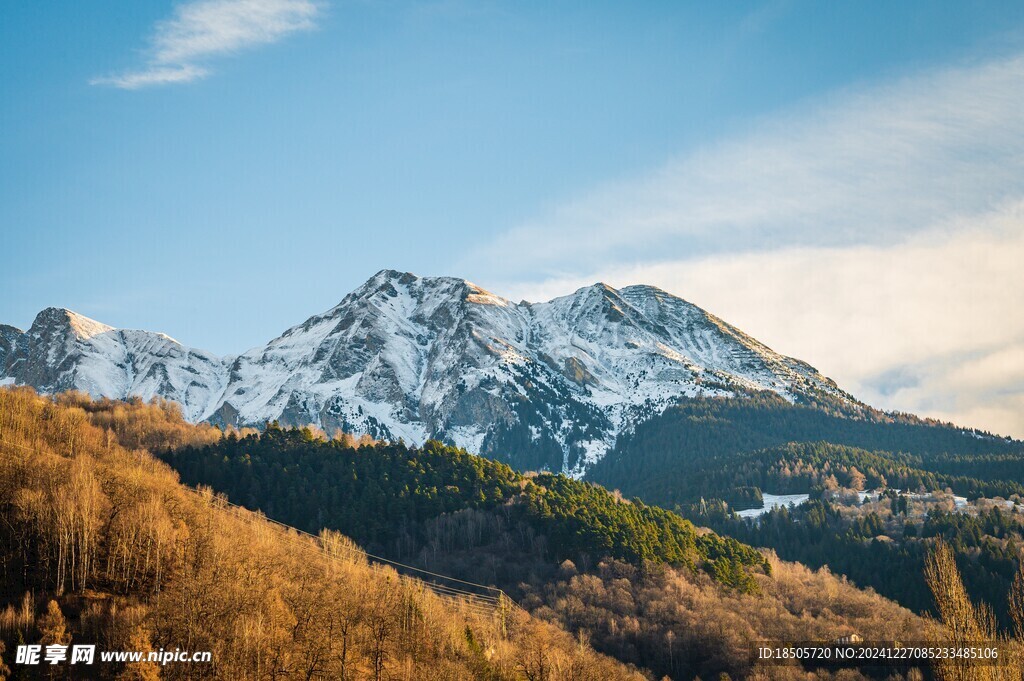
(204, 29)
(862, 166)
(153, 76)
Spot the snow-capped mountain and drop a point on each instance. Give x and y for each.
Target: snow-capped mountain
(543, 385)
(66, 351)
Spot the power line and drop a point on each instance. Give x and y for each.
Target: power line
(494, 595)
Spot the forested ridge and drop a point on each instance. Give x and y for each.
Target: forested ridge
(100, 544)
(667, 459)
(809, 467)
(384, 494)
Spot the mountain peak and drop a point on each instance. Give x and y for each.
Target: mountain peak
(81, 326)
(392, 275)
(646, 289)
(598, 287)
(388, 282)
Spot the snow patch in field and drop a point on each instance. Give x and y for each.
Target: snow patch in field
(773, 501)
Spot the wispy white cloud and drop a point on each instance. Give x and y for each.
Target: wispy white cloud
(204, 29)
(864, 165)
(878, 234)
(154, 75)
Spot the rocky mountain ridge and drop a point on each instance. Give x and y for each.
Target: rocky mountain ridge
(544, 385)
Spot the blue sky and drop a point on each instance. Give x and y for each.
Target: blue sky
(842, 180)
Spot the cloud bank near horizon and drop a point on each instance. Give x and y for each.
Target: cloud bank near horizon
(877, 233)
(203, 29)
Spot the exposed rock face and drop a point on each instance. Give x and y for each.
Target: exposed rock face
(545, 385)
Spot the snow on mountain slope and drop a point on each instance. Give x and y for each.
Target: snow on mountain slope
(547, 385)
(544, 385)
(63, 350)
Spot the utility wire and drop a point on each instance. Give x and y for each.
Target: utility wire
(472, 599)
